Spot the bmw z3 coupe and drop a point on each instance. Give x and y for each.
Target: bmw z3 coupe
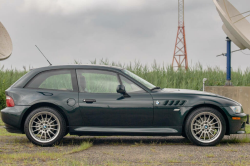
(48, 103)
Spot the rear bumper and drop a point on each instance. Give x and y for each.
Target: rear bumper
(12, 129)
(12, 117)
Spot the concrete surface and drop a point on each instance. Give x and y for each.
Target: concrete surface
(240, 94)
(125, 151)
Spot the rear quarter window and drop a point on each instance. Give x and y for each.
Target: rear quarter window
(54, 80)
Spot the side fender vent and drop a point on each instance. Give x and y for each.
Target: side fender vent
(182, 102)
(175, 102)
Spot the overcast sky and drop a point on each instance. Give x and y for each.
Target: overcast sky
(119, 30)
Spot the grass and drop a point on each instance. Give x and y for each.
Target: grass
(7, 78)
(28, 158)
(68, 162)
(248, 129)
(174, 161)
(1, 122)
(158, 74)
(16, 151)
(210, 155)
(83, 146)
(164, 76)
(23, 156)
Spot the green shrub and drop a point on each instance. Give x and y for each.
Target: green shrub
(7, 78)
(158, 74)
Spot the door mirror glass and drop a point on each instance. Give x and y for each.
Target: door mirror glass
(121, 89)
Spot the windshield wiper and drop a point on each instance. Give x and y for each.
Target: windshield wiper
(155, 88)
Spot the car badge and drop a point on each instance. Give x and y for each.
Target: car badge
(157, 102)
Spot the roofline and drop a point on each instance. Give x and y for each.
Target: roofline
(77, 66)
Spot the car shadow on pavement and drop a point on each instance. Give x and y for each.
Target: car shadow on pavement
(152, 140)
(125, 140)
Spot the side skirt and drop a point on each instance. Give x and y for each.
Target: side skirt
(135, 131)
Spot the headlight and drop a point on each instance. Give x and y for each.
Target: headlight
(236, 109)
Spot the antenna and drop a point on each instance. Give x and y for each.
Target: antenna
(225, 54)
(44, 55)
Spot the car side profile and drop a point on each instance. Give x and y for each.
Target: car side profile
(48, 103)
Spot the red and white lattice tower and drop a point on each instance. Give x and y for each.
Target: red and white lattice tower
(180, 52)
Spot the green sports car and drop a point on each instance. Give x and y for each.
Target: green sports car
(48, 103)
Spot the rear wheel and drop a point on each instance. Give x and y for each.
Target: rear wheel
(205, 126)
(45, 126)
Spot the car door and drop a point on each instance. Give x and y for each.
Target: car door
(101, 105)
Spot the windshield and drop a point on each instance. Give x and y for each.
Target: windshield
(139, 79)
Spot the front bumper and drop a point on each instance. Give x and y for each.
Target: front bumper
(236, 126)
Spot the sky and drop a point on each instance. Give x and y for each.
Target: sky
(118, 30)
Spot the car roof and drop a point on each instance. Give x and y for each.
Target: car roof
(33, 72)
(78, 66)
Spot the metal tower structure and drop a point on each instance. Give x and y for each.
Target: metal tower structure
(180, 52)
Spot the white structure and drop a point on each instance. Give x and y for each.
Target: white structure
(5, 43)
(236, 26)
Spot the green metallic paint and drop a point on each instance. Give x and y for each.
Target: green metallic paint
(116, 110)
(135, 115)
(12, 115)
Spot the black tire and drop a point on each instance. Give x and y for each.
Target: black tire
(184, 135)
(45, 126)
(206, 129)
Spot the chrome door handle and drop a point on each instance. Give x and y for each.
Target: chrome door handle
(89, 100)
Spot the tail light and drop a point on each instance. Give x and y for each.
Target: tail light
(9, 102)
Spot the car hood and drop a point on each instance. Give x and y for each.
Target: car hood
(194, 92)
(187, 91)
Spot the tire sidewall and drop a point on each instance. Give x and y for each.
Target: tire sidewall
(62, 130)
(192, 116)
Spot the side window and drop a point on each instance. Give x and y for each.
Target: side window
(130, 86)
(97, 81)
(54, 80)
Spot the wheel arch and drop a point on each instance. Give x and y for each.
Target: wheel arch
(211, 106)
(43, 104)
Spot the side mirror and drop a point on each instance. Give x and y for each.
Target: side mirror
(121, 89)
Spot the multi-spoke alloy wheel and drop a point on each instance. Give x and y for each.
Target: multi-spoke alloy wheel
(205, 126)
(45, 126)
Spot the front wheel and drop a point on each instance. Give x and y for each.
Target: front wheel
(205, 127)
(44, 126)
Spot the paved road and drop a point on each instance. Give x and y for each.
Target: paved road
(125, 150)
(161, 151)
